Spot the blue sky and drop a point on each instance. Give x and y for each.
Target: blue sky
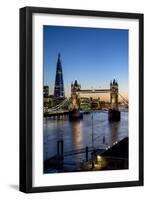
(93, 56)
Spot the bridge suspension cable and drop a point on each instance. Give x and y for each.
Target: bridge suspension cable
(124, 99)
(59, 106)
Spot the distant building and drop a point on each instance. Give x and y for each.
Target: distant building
(59, 85)
(85, 103)
(45, 90)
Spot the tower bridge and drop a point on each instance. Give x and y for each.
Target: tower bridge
(76, 91)
(74, 107)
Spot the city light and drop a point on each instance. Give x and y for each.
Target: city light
(99, 158)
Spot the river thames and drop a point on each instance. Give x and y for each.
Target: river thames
(94, 130)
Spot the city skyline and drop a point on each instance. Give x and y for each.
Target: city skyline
(92, 56)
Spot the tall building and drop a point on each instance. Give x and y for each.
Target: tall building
(59, 85)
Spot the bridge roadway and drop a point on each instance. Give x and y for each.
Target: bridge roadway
(95, 91)
(54, 114)
(62, 113)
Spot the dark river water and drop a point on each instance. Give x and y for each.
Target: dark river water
(98, 132)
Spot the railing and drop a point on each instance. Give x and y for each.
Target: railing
(82, 150)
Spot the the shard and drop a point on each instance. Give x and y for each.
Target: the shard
(59, 85)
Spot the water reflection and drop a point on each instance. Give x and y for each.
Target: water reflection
(78, 134)
(114, 127)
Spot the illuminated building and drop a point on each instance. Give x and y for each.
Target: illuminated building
(59, 85)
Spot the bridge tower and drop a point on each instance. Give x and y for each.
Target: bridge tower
(114, 113)
(114, 95)
(74, 106)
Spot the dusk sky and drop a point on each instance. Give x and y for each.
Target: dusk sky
(93, 56)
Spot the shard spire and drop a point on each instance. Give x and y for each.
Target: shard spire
(59, 85)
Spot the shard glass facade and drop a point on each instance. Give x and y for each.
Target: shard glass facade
(59, 85)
